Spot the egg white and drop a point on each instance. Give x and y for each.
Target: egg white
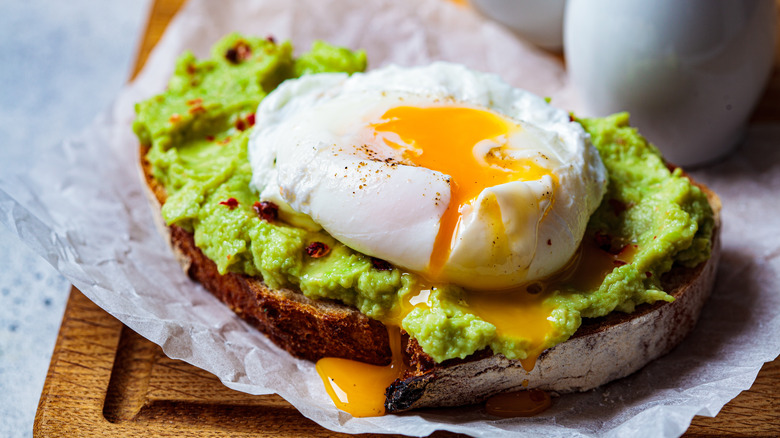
(311, 154)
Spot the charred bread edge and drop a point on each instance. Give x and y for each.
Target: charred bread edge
(599, 352)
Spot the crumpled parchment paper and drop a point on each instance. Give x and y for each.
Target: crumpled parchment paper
(83, 209)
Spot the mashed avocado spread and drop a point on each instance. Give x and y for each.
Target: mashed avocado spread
(197, 133)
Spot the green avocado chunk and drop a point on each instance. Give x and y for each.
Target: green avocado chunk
(197, 133)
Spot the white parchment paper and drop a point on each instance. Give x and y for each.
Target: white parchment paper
(83, 209)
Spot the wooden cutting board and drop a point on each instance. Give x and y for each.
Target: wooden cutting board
(105, 380)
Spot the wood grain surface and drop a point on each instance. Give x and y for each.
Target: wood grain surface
(105, 380)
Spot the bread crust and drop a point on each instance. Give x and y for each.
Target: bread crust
(602, 350)
(306, 328)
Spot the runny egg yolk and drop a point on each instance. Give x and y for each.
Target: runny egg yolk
(471, 147)
(357, 387)
(517, 314)
(451, 140)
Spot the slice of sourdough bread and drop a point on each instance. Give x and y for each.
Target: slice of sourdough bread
(601, 350)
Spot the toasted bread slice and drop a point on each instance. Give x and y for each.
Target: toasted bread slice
(602, 350)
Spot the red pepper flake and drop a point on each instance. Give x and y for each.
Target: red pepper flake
(648, 274)
(232, 55)
(271, 39)
(238, 53)
(380, 264)
(225, 140)
(316, 250)
(619, 263)
(267, 211)
(231, 203)
(197, 109)
(191, 69)
(209, 138)
(549, 241)
(175, 117)
(197, 101)
(242, 124)
(571, 117)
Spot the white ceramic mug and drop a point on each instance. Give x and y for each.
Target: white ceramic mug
(689, 71)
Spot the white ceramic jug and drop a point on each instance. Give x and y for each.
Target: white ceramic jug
(689, 71)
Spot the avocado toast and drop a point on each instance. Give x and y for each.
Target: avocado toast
(310, 324)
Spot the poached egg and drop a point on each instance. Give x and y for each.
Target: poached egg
(441, 170)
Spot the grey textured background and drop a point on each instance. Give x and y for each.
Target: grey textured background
(60, 64)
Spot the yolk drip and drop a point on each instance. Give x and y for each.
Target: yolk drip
(445, 139)
(359, 388)
(418, 298)
(516, 314)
